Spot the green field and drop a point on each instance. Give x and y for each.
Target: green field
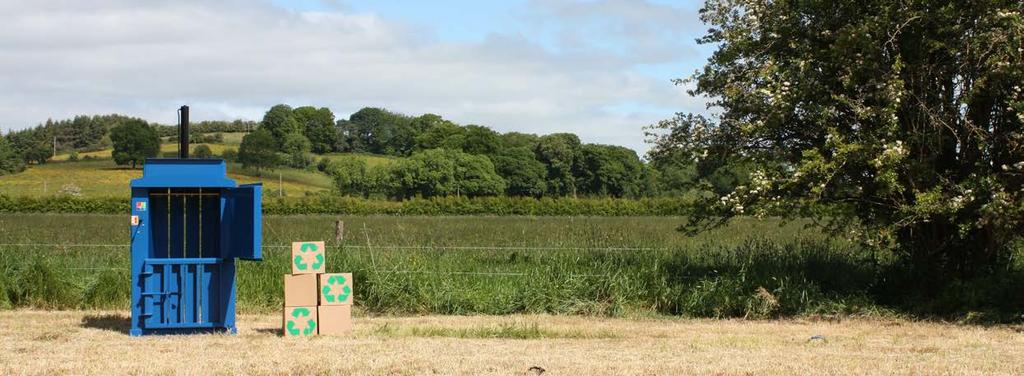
(99, 176)
(498, 265)
(103, 178)
(371, 160)
(465, 265)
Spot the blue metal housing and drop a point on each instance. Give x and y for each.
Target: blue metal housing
(189, 224)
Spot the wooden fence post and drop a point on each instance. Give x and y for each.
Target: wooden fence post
(339, 232)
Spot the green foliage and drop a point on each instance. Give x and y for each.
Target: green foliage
(109, 289)
(230, 155)
(606, 170)
(884, 115)
(507, 265)
(10, 161)
(559, 151)
(297, 147)
(378, 131)
(202, 152)
(35, 282)
(259, 150)
(318, 127)
(523, 174)
(441, 172)
(442, 134)
(63, 204)
(520, 140)
(280, 122)
(351, 177)
(134, 140)
(331, 204)
(481, 140)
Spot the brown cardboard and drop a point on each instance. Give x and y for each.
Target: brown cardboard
(300, 322)
(300, 290)
(335, 320)
(335, 289)
(308, 257)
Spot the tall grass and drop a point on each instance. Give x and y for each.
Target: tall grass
(500, 265)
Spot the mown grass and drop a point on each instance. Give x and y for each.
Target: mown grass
(623, 266)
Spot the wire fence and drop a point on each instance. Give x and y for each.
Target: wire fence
(375, 268)
(388, 247)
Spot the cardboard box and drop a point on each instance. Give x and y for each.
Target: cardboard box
(300, 321)
(335, 289)
(300, 290)
(335, 320)
(308, 257)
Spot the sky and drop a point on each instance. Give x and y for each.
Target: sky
(601, 69)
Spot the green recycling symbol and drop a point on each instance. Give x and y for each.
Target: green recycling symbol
(310, 324)
(342, 296)
(307, 247)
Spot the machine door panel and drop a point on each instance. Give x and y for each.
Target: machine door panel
(178, 293)
(242, 223)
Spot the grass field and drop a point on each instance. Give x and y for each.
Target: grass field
(100, 177)
(468, 265)
(103, 178)
(35, 342)
(371, 160)
(606, 266)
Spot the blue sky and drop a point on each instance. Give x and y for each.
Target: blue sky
(598, 68)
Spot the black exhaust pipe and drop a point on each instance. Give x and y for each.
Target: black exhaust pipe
(183, 133)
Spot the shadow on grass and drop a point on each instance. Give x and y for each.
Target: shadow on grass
(112, 322)
(274, 331)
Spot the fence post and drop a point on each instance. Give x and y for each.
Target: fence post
(339, 232)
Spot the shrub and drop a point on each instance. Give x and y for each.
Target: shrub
(230, 155)
(202, 152)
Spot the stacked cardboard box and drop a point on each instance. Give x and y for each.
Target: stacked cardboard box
(315, 302)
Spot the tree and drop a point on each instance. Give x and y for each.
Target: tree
(259, 150)
(898, 123)
(481, 140)
(442, 135)
(297, 147)
(442, 172)
(379, 131)
(351, 176)
(559, 151)
(37, 152)
(522, 172)
(10, 161)
(607, 170)
(134, 140)
(280, 121)
(318, 124)
(230, 155)
(202, 152)
(517, 139)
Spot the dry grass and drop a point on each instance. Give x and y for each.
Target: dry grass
(95, 343)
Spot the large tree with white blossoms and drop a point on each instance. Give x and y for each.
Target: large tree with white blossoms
(897, 123)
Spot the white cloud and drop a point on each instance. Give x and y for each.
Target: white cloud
(235, 59)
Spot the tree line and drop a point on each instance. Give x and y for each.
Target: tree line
(437, 157)
(442, 158)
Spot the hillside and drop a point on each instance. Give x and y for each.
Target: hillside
(96, 174)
